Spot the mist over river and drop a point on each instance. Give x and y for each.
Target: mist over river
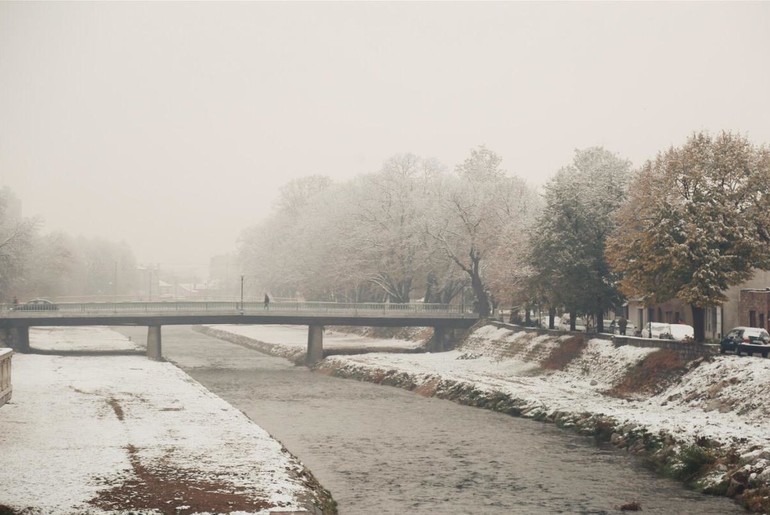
(383, 450)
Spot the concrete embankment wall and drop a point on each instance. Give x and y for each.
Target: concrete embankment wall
(687, 351)
(6, 387)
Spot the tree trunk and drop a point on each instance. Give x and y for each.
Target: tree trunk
(431, 294)
(572, 320)
(600, 321)
(551, 317)
(527, 317)
(482, 296)
(482, 299)
(699, 323)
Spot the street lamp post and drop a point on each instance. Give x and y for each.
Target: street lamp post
(241, 292)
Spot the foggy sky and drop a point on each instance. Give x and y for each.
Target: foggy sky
(171, 126)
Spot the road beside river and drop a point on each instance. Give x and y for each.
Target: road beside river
(382, 450)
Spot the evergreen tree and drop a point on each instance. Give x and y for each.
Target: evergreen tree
(568, 248)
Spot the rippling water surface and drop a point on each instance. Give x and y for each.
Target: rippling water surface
(382, 450)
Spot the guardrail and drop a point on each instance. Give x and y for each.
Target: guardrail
(230, 307)
(6, 388)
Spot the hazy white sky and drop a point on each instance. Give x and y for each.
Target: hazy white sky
(172, 125)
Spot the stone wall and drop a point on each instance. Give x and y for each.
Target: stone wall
(687, 350)
(5, 375)
(754, 304)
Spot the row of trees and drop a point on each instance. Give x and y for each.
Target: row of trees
(33, 263)
(686, 225)
(410, 230)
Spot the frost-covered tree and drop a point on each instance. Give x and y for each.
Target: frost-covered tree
(16, 240)
(296, 251)
(567, 251)
(697, 222)
(296, 194)
(479, 208)
(33, 264)
(388, 230)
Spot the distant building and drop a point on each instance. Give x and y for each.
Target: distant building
(747, 304)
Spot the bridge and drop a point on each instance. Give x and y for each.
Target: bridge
(15, 321)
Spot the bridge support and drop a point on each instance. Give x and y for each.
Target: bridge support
(315, 344)
(439, 343)
(15, 337)
(154, 350)
(444, 338)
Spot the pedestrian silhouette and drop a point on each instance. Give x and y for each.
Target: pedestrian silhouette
(622, 325)
(267, 301)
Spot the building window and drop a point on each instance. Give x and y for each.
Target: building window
(752, 318)
(761, 320)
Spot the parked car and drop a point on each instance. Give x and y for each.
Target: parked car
(680, 332)
(36, 305)
(655, 329)
(664, 331)
(746, 339)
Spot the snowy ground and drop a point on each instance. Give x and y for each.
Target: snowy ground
(81, 433)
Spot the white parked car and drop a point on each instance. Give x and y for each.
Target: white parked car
(666, 331)
(654, 329)
(681, 332)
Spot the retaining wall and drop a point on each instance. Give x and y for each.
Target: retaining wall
(687, 350)
(5, 375)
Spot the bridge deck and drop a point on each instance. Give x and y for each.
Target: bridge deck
(292, 313)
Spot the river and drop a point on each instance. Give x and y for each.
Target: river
(383, 450)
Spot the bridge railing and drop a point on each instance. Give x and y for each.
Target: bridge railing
(224, 307)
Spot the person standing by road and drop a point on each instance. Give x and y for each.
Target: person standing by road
(622, 323)
(267, 301)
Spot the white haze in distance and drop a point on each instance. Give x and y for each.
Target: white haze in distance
(172, 125)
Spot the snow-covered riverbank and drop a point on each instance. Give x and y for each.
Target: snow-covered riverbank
(704, 422)
(98, 434)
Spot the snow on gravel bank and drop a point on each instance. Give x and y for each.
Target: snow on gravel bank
(78, 427)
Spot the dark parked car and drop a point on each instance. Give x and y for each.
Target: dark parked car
(746, 339)
(36, 305)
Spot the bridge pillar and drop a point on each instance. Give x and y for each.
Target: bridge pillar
(439, 343)
(315, 344)
(154, 343)
(16, 337)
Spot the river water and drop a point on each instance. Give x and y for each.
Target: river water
(383, 450)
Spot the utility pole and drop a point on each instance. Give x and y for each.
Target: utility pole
(241, 292)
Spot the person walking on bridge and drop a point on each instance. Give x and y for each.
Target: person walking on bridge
(267, 301)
